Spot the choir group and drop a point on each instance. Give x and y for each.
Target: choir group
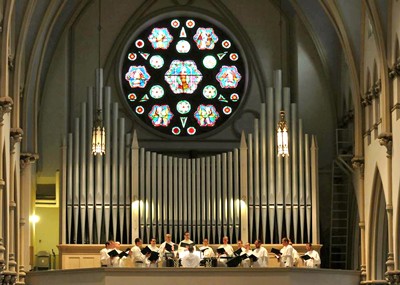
(186, 254)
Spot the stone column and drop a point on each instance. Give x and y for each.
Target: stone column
(385, 139)
(358, 166)
(15, 145)
(7, 275)
(27, 168)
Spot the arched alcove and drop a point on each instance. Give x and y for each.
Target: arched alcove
(378, 230)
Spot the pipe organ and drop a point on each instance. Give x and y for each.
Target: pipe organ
(246, 193)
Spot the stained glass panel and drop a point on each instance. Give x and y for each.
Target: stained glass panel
(183, 76)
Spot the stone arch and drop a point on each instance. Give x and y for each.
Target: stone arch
(378, 239)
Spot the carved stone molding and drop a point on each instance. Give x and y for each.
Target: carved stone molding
(21, 275)
(393, 277)
(376, 89)
(5, 106)
(15, 136)
(395, 69)
(366, 101)
(385, 139)
(357, 162)
(9, 278)
(11, 62)
(28, 158)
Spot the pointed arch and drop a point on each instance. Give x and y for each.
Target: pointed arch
(378, 229)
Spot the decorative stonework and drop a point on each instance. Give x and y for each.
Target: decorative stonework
(394, 71)
(21, 275)
(5, 106)
(15, 136)
(376, 89)
(385, 139)
(2, 262)
(393, 277)
(357, 162)
(27, 158)
(11, 61)
(366, 101)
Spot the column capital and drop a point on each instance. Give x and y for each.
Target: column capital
(28, 158)
(357, 162)
(5, 106)
(376, 89)
(393, 277)
(385, 139)
(395, 69)
(16, 135)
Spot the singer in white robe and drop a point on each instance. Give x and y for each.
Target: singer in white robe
(222, 258)
(286, 257)
(105, 259)
(190, 259)
(138, 258)
(315, 260)
(261, 253)
(186, 240)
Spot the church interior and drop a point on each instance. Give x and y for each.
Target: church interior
(137, 119)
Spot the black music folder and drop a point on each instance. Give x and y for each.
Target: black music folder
(252, 257)
(238, 252)
(184, 244)
(146, 250)
(276, 251)
(124, 253)
(305, 257)
(221, 250)
(234, 262)
(169, 247)
(113, 253)
(203, 249)
(153, 256)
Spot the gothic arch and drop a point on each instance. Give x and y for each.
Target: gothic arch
(378, 229)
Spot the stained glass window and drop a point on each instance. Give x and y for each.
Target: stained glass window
(183, 76)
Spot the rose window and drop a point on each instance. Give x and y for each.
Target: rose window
(183, 76)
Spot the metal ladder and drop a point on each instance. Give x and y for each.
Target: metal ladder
(340, 201)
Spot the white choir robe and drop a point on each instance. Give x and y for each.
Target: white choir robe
(137, 257)
(104, 257)
(262, 255)
(296, 257)
(207, 251)
(312, 263)
(182, 248)
(286, 259)
(162, 251)
(190, 260)
(148, 262)
(246, 262)
(229, 253)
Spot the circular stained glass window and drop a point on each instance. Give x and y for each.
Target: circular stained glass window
(183, 76)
